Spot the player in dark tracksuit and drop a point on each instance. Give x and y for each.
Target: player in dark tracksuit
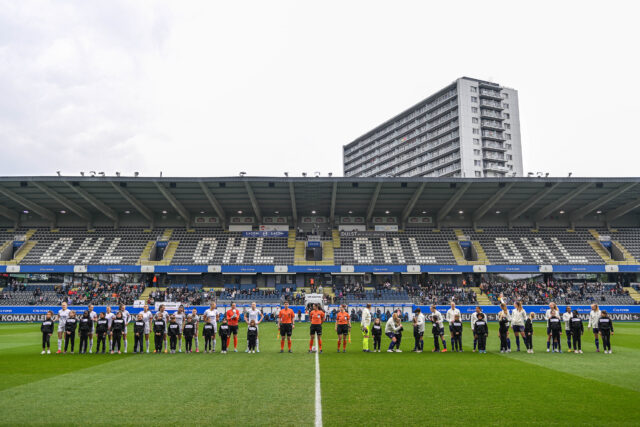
(158, 333)
(47, 330)
(481, 333)
(252, 336)
(224, 334)
(555, 326)
(605, 326)
(138, 334)
(577, 329)
(503, 330)
(85, 328)
(70, 331)
(102, 329)
(189, 331)
(208, 331)
(376, 332)
(435, 330)
(174, 331)
(456, 331)
(117, 329)
(528, 333)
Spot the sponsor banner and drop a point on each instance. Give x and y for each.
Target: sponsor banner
(380, 268)
(443, 269)
(274, 227)
(139, 303)
(386, 228)
(113, 269)
(176, 269)
(579, 269)
(352, 228)
(362, 234)
(248, 269)
(314, 244)
(265, 234)
(313, 268)
(168, 306)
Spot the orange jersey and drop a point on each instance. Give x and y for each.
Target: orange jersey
(230, 319)
(317, 317)
(286, 315)
(342, 318)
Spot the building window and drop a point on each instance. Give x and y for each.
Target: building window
(509, 157)
(474, 109)
(473, 89)
(510, 167)
(476, 131)
(507, 115)
(505, 95)
(507, 135)
(508, 146)
(507, 126)
(474, 99)
(478, 174)
(474, 120)
(477, 163)
(476, 141)
(505, 105)
(476, 152)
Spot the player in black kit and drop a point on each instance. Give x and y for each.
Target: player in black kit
(456, 331)
(189, 331)
(117, 330)
(605, 326)
(174, 331)
(577, 329)
(138, 334)
(252, 336)
(376, 332)
(47, 330)
(158, 333)
(481, 331)
(70, 331)
(102, 329)
(85, 328)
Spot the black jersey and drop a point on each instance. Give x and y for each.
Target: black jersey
(605, 324)
(504, 325)
(528, 326)
(481, 327)
(208, 330)
(85, 325)
(555, 324)
(576, 325)
(158, 326)
(47, 326)
(376, 330)
(71, 324)
(189, 329)
(174, 329)
(224, 329)
(117, 325)
(456, 327)
(252, 332)
(102, 326)
(138, 327)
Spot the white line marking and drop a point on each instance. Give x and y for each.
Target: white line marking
(318, 393)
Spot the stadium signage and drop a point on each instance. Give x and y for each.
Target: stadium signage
(272, 233)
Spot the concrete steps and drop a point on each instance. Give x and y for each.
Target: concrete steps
(483, 299)
(633, 294)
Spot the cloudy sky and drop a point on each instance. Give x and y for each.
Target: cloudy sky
(213, 88)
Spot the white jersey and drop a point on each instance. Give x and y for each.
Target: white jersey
(196, 320)
(94, 318)
(502, 314)
(547, 315)
(474, 319)
(594, 317)
(437, 317)
(420, 322)
(126, 316)
(63, 315)
(253, 315)
(518, 317)
(451, 314)
(365, 320)
(212, 315)
(147, 317)
(109, 317)
(180, 318)
(567, 320)
(391, 326)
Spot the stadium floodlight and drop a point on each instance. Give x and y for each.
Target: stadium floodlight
(58, 172)
(313, 212)
(243, 173)
(424, 212)
(127, 212)
(63, 212)
(239, 212)
(25, 211)
(497, 212)
(201, 212)
(276, 212)
(350, 212)
(598, 212)
(387, 212)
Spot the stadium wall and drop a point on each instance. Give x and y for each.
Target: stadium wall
(617, 312)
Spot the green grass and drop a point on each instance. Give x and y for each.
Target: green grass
(357, 388)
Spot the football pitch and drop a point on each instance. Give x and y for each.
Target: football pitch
(356, 388)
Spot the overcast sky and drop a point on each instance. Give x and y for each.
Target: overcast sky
(214, 88)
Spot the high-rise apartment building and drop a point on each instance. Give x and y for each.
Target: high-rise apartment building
(471, 128)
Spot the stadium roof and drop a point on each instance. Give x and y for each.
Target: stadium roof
(224, 197)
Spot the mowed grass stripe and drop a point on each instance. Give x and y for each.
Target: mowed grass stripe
(261, 389)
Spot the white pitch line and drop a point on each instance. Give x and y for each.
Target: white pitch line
(318, 393)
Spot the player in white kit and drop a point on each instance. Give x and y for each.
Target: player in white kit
(196, 321)
(211, 316)
(147, 318)
(181, 317)
(253, 314)
(94, 319)
(126, 316)
(63, 315)
(109, 316)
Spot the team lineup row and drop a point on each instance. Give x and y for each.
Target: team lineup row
(169, 330)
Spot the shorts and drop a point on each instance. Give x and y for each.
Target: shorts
(596, 330)
(518, 328)
(548, 330)
(61, 327)
(442, 331)
(286, 329)
(343, 329)
(391, 335)
(568, 332)
(315, 329)
(418, 333)
(147, 329)
(233, 329)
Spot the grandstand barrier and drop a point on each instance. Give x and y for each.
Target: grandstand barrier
(336, 269)
(617, 312)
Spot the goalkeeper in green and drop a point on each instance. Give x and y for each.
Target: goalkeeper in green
(365, 325)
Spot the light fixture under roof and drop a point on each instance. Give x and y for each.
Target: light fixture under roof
(387, 212)
(63, 212)
(164, 212)
(276, 212)
(598, 212)
(313, 212)
(498, 212)
(461, 212)
(424, 212)
(25, 211)
(561, 212)
(127, 212)
(201, 212)
(239, 212)
(350, 212)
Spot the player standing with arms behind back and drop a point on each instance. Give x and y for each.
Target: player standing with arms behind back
(605, 326)
(147, 318)
(451, 317)
(63, 315)
(594, 317)
(47, 330)
(286, 323)
(196, 322)
(343, 325)
(126, 316)
(317, 317)
(233, 316)
(256, 315)
(365, 325)
(211, 317)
